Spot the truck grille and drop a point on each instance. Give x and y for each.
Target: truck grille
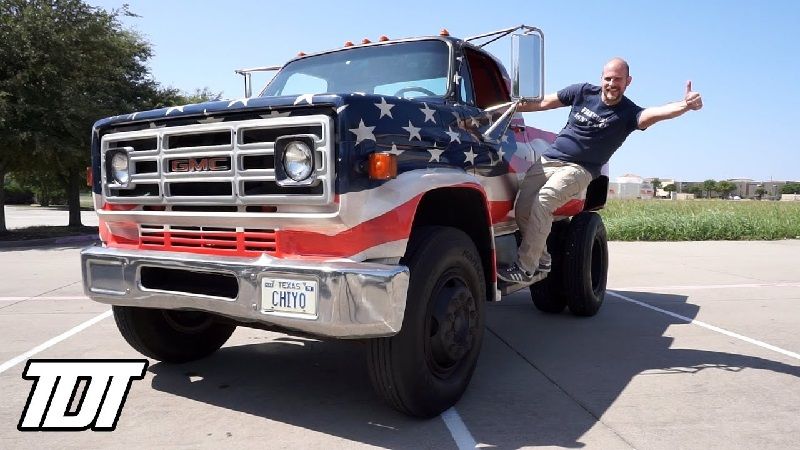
(222, 163)
(241, 242)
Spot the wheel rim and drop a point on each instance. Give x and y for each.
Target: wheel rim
(451, 324)
(187, 321)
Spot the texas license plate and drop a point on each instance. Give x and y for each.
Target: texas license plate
(289, 296)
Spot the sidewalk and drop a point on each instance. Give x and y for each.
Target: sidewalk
(18, 217)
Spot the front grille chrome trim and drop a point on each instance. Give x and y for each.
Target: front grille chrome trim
(237, 176)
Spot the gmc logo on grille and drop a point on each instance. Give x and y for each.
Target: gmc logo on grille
(199, 165)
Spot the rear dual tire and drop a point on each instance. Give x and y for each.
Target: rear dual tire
(580, 267)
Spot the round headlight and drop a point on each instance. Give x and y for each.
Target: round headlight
(119, 168)
(298, 160)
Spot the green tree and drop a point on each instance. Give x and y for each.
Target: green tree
(201, 95)
(725, 188)
(670, 187)
(63, 65)
(45, 185)
(709, 186)
(696, 190)
(760, 193)
(656, 183)
(790, 188)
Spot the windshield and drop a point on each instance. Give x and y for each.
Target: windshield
(405, 69)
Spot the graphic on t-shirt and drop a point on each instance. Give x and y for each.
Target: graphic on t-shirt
(590, 118)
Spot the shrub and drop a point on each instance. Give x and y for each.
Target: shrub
(701, 220)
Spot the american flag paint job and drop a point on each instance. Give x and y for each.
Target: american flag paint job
(438, 143)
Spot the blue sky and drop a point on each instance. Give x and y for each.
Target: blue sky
(741, 56)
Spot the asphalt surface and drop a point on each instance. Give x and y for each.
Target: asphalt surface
(18, 216)
(696, 346)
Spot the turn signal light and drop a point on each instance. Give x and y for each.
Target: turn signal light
(89, 176)
(382, 166)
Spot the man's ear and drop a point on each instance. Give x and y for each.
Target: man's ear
(628, 82)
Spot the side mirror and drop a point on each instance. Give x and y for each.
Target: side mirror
(527, 65)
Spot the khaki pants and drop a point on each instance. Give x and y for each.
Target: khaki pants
(548, 185)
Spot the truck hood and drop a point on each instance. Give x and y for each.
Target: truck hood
(224, 107)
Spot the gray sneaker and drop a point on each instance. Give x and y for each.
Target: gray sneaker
(515, 274)
(544, 267)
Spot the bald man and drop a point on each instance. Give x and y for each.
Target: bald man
(599, 122)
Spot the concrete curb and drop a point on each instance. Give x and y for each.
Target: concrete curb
(83, 239)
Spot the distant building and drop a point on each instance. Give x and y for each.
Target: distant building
(630, 186)
(660, 192)
(634, 186)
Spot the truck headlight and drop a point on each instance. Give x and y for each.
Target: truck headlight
(298, 160)
(296, 156)
(118, 167)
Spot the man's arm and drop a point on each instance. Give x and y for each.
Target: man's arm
(654, 114)
(549, 101)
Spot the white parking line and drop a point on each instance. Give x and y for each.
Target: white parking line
(14, 361)
(712, 286)
(709, 327)
(458, 430)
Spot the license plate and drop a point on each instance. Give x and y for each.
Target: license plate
(289, 296)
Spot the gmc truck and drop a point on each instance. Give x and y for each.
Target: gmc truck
(366, 193)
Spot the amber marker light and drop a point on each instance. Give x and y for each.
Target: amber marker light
(382, 166)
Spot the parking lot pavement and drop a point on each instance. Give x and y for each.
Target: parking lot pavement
(18, 216)
(695, 347)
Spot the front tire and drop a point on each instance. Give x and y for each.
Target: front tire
(426, 367)
(586, 264)
(171, 336)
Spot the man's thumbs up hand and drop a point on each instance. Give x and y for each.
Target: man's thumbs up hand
(692, 98)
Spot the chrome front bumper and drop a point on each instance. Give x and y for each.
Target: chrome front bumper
(355, 300)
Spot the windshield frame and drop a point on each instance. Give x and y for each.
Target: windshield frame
(449, 92)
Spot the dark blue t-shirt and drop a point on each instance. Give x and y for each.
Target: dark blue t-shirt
(594, 130)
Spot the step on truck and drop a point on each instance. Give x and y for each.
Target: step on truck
(367, 192)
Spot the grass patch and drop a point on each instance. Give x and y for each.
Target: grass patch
(43, 232)
(701, 220)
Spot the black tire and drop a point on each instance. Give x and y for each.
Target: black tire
(549, 295)
(171, 336)
(586, 264)
(423, 370)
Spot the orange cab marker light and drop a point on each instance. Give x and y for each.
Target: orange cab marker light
(348, 44)
(444, 32)
(301, 54)
(383, 38)
(382, 166)
(366, 41)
